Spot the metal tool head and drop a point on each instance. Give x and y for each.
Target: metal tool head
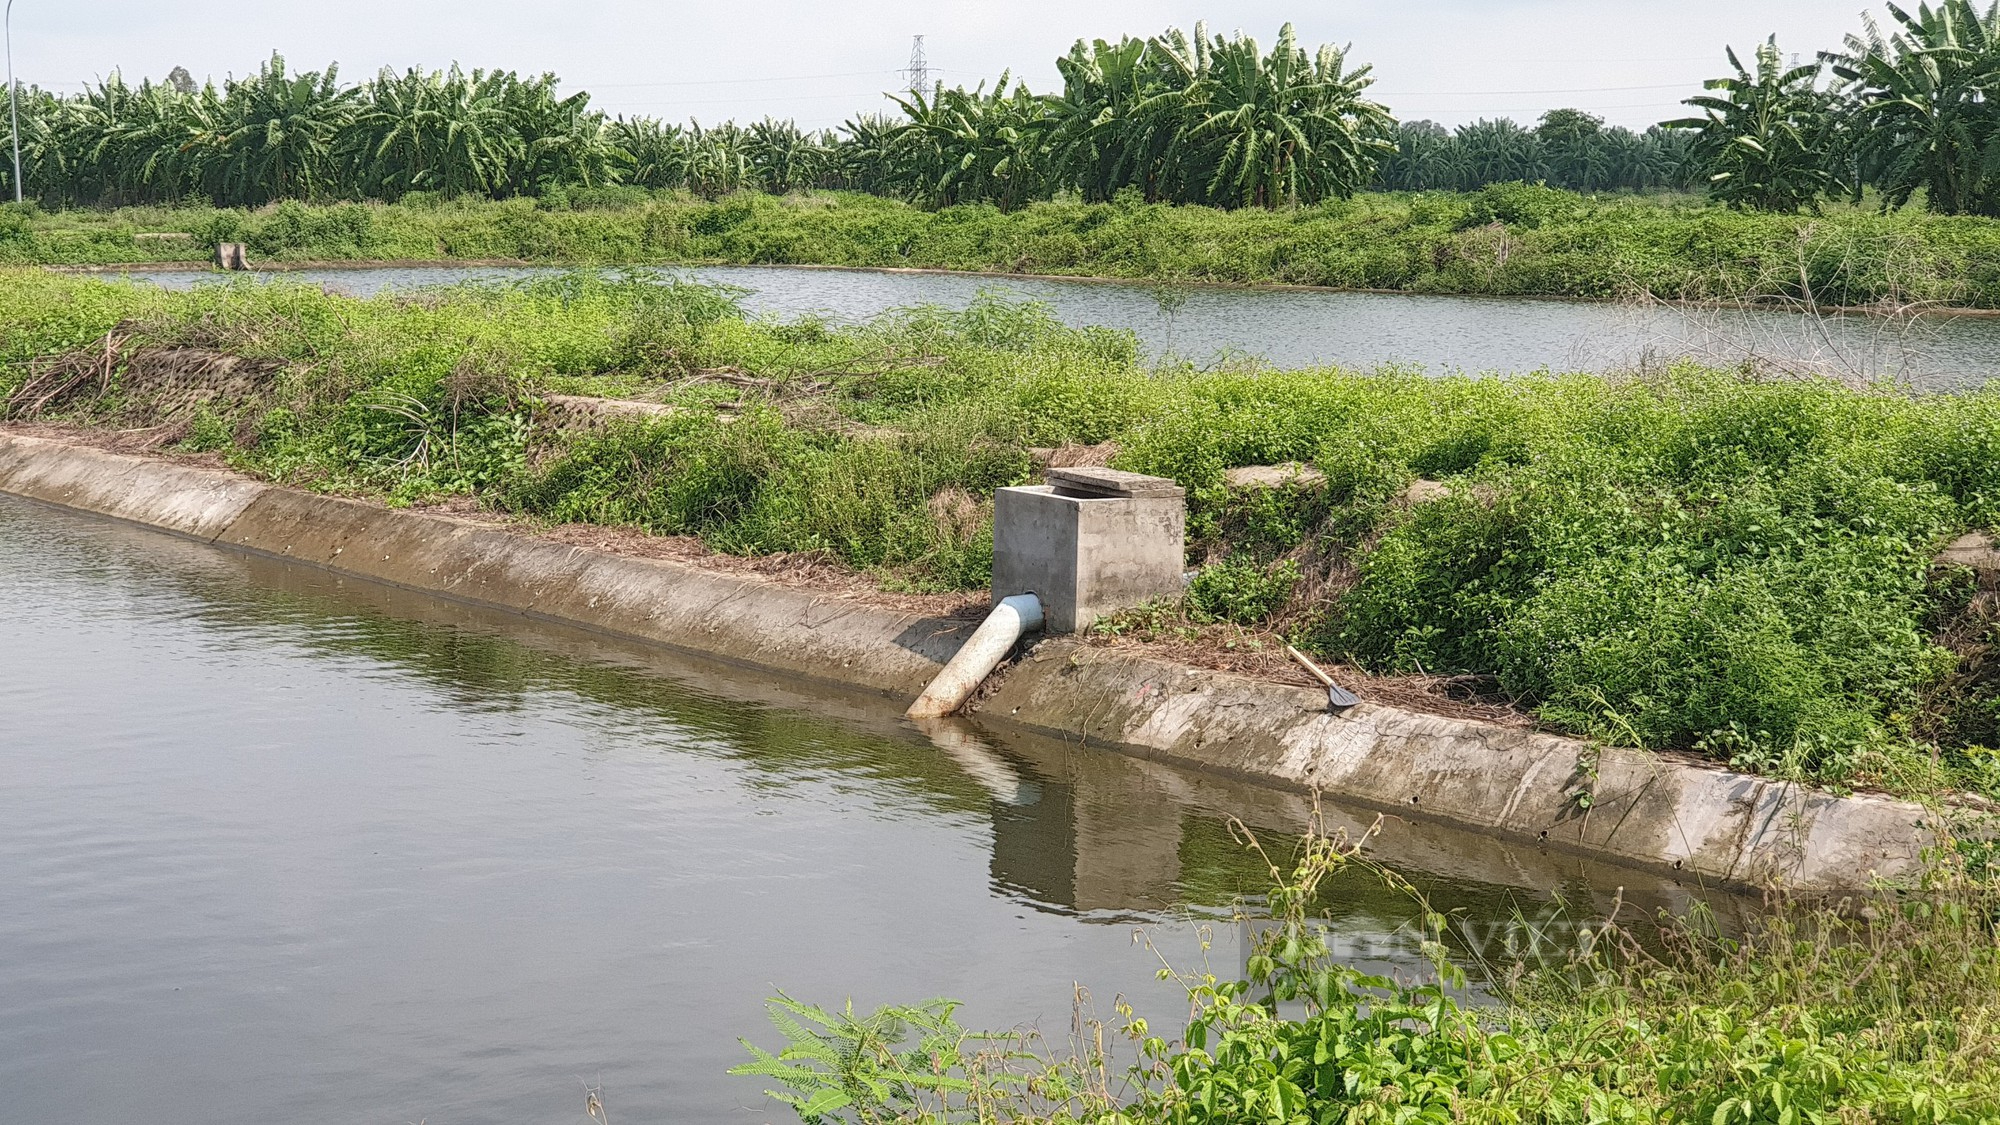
(1339, 698)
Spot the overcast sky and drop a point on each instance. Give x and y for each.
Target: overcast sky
(821, 60)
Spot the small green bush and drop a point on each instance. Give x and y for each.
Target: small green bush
(217, 226)
(340, 231)
(207, 431)
(1529, 206)
(753, 485)
(17, 221)
(1241, 590)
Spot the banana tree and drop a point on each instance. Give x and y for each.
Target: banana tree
(1501, 151)
(558, 140)
(963, 146)
(719, 159)
(185, 142)
(447, 132)
(1632, 161)
(283, 132)
(785, 158)
(48, 160)
(1287, 127)
(1924, 115)
(862, 157)
(1764, 135)
(1122, 114)
(1427, 158)
(659, 152)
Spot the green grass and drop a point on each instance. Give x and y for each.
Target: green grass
(1506, 239)
(1697, 560)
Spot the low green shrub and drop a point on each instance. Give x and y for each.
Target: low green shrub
(342, 231)
(207, 432)
(750, 484)
(1529, 206)
(1241, 590)
(17, 222)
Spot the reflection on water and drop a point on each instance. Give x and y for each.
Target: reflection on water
(1297, 328)
(279, 846)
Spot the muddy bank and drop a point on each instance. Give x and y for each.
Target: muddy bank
(1629, 806)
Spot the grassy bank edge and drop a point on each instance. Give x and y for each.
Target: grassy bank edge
(1509, 240)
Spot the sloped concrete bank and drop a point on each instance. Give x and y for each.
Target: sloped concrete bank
(1630, 806)
(802, 632)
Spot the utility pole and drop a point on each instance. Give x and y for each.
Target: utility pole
(13, 95)
(919, 72)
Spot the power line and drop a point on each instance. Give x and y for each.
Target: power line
(739, 101)
(736, 81)
(1487, 110)
(1575, 90)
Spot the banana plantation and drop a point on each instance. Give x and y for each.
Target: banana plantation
(278, 135)
(1199, 119)
(1910, 113)
(1568, 148)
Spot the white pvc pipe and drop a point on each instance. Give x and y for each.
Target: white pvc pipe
(981, 653)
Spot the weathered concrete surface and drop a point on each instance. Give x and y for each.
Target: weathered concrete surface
(1291, 474)
(1975, 550)
(579, 412)
(740, 618)
(175, 498)
(1086, 556)
(1643, 809)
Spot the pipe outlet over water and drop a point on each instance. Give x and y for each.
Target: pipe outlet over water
(996, 636)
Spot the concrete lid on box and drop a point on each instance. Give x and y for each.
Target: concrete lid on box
(1110, 484)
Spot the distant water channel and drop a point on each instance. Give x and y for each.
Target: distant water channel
(277, 846)
(1296, 328)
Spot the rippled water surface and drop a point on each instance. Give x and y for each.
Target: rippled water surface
(280, 847)
(1296, 328)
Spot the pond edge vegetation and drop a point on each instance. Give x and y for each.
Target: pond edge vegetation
(1504, 240)
(1872, 1009)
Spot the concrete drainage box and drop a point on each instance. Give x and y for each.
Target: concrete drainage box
(1088, 543)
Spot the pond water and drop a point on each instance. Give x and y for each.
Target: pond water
(277, 846)
(1297, 328)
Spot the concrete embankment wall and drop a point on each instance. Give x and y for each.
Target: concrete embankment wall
(821, 636)
(1627, 805)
